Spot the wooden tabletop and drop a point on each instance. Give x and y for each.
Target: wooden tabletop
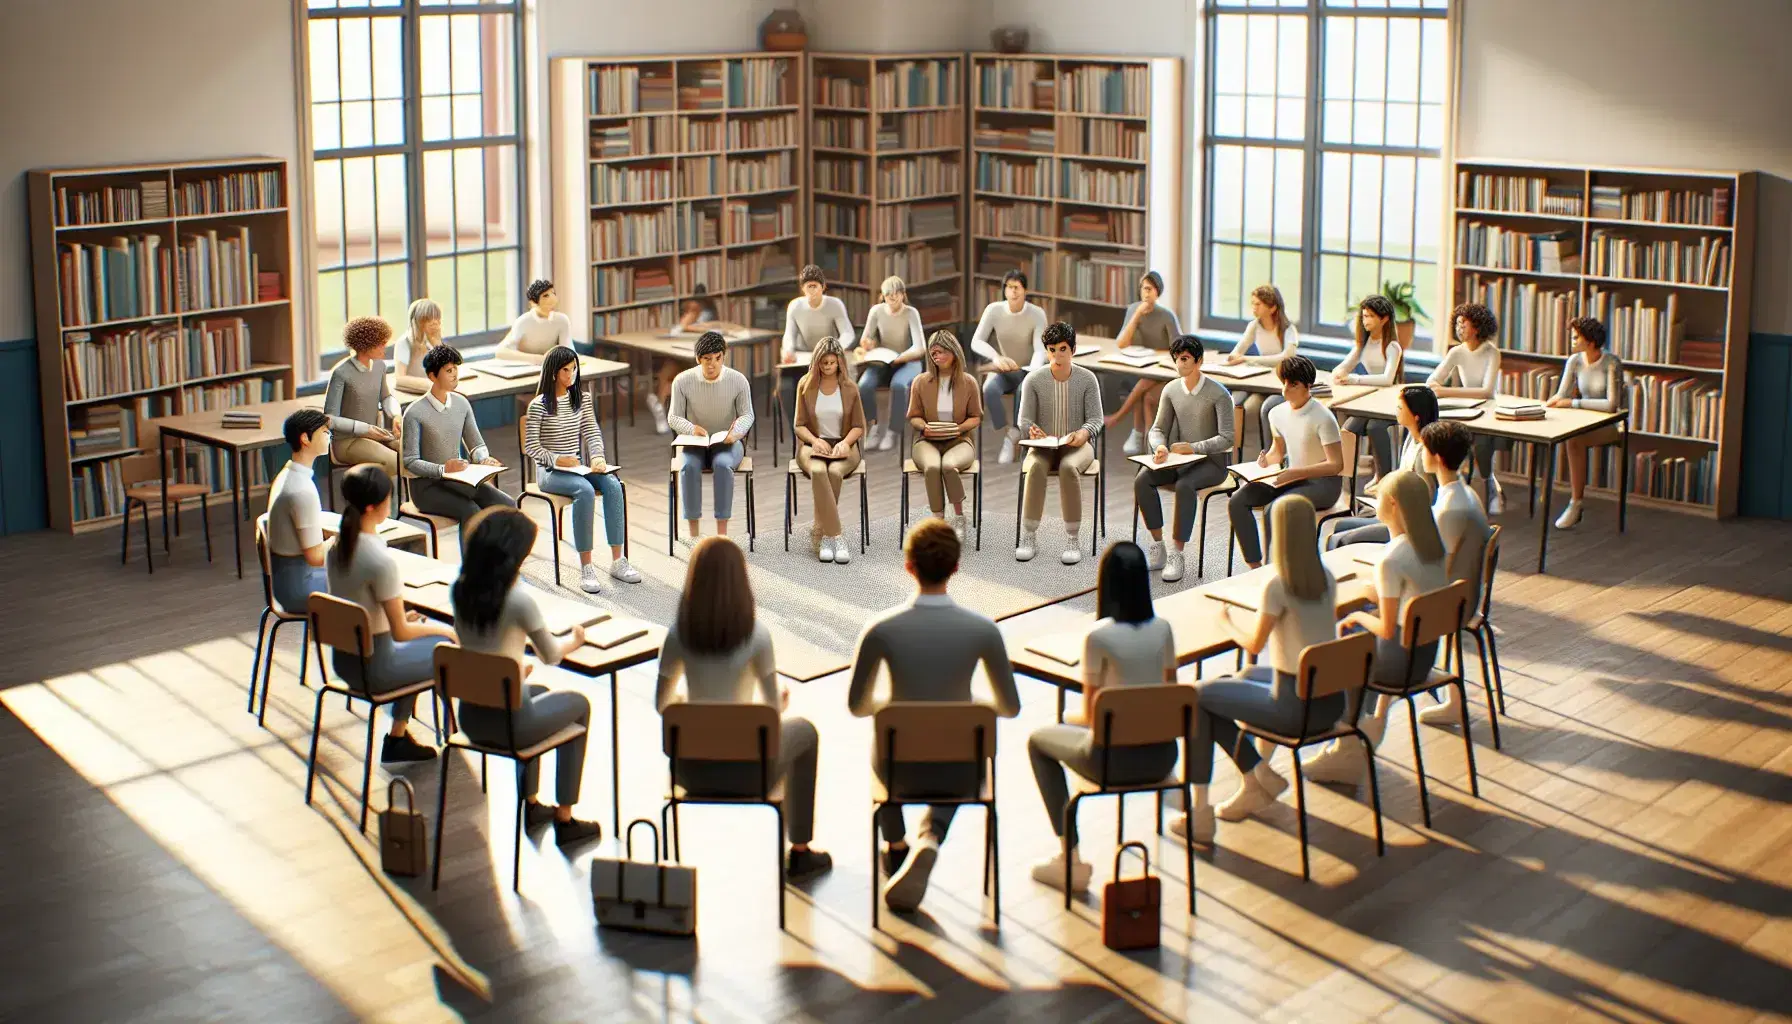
(1556, 426)
(208, 427)
(475, 385)
(1164, 370)
(1197, 620)
(656, 342)
(393, 531)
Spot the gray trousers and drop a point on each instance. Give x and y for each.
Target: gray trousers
(544, 713)
(1057, 747)
(995, 388)
(393, 664)
(294, 580)
(1261, 405)
(1357, 530)
(455, 499)
(1322, 491)
(916, 782)
(1392, 667)
(1190, 480)
(799, 752)
(1258, 696)
(1381, 440)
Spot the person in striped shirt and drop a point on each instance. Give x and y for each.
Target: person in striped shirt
(561, 435)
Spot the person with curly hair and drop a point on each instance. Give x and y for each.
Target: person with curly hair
(1471, 369)
(364, 415)
(540, 330)
(1592, 379)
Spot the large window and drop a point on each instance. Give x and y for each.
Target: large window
(1324, 175)
(415, 135)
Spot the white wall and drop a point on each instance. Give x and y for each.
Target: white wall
(86, 82)
(1695, 84)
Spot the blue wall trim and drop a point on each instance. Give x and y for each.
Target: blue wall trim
(23, 502)
(1766, 484)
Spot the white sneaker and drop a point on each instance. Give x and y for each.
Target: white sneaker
(1154, 555)
(1267, 777)
(904, 891)
(1135, 443)
(1174, 566)
(1204, 825)
(589, 580)
(872, 435)
(842, 554)
(1374, 728)
(1446, 714)
(1073, 550)
(1570, 517)
(621, 570)
(1051, 872)
(825, 549)
(1496, 498)
(1007, 453)
(886, 441)
(960, 526)
(1341, 762)
(1029, 546)
(658, 408)
(1250, 799)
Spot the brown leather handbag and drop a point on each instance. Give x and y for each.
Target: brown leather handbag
(404, 843)
(1130, 908)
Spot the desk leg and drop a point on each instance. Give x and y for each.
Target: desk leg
(1060, 703)
(615, 764)
(1549, 493)
(163, 440)
(240, 483)
(1623, 475)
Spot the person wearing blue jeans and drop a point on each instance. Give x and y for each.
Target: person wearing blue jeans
(713, 401)
(897, 379)
(895, 325)
(561, 436)
(720, 462)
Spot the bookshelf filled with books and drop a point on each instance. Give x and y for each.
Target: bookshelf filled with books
(1076, 165)
(887, 178)
(1665, 260)
(159, 289)
(677, 177)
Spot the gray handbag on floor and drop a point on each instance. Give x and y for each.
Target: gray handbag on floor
(645, 896)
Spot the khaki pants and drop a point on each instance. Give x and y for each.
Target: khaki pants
(1069, 464)
(940, 463)
(357, 450)
(827, 476)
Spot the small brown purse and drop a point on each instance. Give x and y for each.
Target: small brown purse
(404, 846)
(1130, 908)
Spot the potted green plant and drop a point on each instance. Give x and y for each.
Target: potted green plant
(1400, 295)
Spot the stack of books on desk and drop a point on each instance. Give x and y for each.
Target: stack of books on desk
(242, 419)
(1320, 389)
(1519, 411)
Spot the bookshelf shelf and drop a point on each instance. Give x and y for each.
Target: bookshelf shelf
(1652, 323)
(126, 274)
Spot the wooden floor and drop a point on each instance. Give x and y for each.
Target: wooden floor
(1630, 857)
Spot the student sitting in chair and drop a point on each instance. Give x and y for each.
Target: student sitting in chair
(295, 535)
(359, 400)
(944, 409)
(830, 420)
(435, 428)
(1061, 400)
(561, 434)
(1305, 433)
(1194, 417)
(540, 330)
(710, 399)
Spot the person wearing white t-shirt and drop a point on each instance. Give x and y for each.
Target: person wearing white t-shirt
(1461, 525)
(1378, 361)
(1471, 369)
(1018, 327)
(1591, 379)
(1299, 608)
(295, 533)
(1416, 410)
(539, 331)
(895, 325)
(1267, 338)
(1305, 434)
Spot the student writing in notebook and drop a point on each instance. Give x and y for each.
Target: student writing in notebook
(1063, 400)
(1149, 323)
(1305, 433)
(560, 433)
(436, 427)
(1194, 417)
(540, 330)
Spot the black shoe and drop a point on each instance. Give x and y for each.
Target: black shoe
(570, 833)
(536, 814)
(807, 864)
(404, 750)
(893, 858)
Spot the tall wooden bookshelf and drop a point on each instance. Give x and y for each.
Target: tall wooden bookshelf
(1077, 180)
(1665, 259)
(671, 172)
(887, 178)
(160, 288)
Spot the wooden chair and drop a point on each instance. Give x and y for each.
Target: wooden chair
(1338, 666)
(746, 735)
(408, 510)
(1100, 512)
(794, 472)
(938, 734)
(744, 470)
(1438, 616)
(559, 503)
(280, 616)
(1204, 496)
(487, 681)
(345, 626)
(142, 477)
(1137, 716)
(909, 469)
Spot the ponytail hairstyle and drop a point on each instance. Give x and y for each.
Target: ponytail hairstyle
(1381, 307)
(498, 542)
(364, 487)
(551, 365)
(1271, 296)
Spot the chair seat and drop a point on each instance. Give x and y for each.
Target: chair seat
(1087, 787)
(1094, 468)
(1474, 623)
(559, 501)
(746, 466)
(685, 794)
(385, 696)
(881, 793)
(908, 466)
(410, 508)
(528, 753)
(795, 470)
(1283, 739)
(1435, 678)
(152, 491)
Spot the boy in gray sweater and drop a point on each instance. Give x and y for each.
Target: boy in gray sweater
(1194, 417)
(710, 400)
(435, 427)
(1063, 400)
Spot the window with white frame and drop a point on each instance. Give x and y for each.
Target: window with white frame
(416, 146)
(1324, 176)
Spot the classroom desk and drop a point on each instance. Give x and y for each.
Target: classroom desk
(1548, 434)
(475, 385)
(1197, 621)
(643, 347)
(432, 599)
(395, 532)
(1164, 370)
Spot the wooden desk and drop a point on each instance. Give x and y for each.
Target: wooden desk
(1164, 370)
(643, 347)
(1547, 434)
(395, 532)
(1197, 621)
(490, 385)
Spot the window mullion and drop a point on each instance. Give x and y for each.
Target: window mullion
(1311, 296)
(416, 220)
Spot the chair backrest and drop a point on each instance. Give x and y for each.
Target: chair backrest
(1336, 666)
(477, 678)
(1490, 561)
(925, 732)
(341, 624)
(138, 469)
(720, 732)
(1434, 615)
(1130, 716)
(527, 470)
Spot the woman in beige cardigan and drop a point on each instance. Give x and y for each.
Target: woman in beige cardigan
(830, 420)
(944, 408)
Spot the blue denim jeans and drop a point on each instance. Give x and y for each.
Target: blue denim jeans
(897, 379)
(720, 462)
(584, 492)
(996, 387)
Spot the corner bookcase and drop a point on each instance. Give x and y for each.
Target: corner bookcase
(1665, 259)
(887, 177)
(160, 288)
(674, 172)
(1077, 180)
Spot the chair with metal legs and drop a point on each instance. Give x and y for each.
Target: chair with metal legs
(793, 473)
(1438, 616)
(975, 472)
(1099, 524)
(143, 487)
(746, 735)
(744, 470)
(265, 635)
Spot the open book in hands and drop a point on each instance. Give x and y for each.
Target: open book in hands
(475, 474)
(880, 355)
(1048, 442)
(940, 430)
(1173, 459)
(1250, 472)
(717, 440)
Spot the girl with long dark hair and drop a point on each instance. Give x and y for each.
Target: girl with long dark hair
(1376, 360)
(561, 435)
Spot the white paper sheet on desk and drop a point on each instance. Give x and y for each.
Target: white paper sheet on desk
(1242, 371)
(615, 632)
(1065, 650)
(509, 369)
(1171, 461)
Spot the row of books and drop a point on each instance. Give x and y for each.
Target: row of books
(1105, 89)
(700, 87)
(759, 82)
(832, 90)
(1490, 245)
(1120, 227)
(1533, 318)
(774, 170)
(1110, 279)
(938, 305)
(699, 225)
(1663, 206)
(1015, 177)
(998, 258)
(1653, 474)
(217, 270)
(616, 286)
(701, 134)
(1022, 138)
(1000, 219)
(833, 218)
(838, 131)
(630, 184)
(1636, 330)
(638, 136)
(841, 262)
(918, 262)
(1102, 184)
(1703, 261)
(1101, 137)
(101, 430)
(627, 89)
(127, 277)
(706, 272)
(920, 131)
(637, 318)
(768, 264)
(1516, 193)
(912, 177)
(116, 362)
(910, 220)
(760, 223)
(841, 174)
(919, 83)
(633, 233)
(700, 176)
(1016, 85)
(758, 132)
(111, 204)
(856, 300)
(232, 192)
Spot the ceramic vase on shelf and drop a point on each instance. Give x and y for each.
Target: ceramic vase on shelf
(783, 30)
(1009, 39)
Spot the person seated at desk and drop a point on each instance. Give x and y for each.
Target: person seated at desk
(1411, 564)
(359, 397)
(1461, 526)
(724, 655)
(895, 325)
(1018, 327)
(931, 646)
(1299, 608)
(1306, 433)
(1471, 369)
(540, 330)
(561, 434)
(945, 394)
(698, 310)
(1592, 379)
(295, 535)
(1377, 361)
(1194, 417)
(1415, 410)
(830, 420)
(435, 428)
(1066, 398)
(494, 613)
(1267, 338)
(1153, 325)
(363, 571)
(1129, 646)
(808, 318)
(709, 398)
(423, 334)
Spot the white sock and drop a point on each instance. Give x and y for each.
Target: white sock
(1200, 796)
